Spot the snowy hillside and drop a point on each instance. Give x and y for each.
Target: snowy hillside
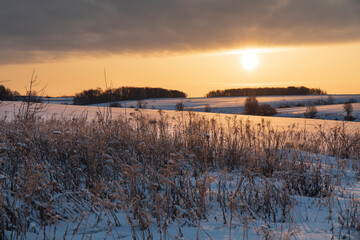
(329, 107)
(58, 110)
(112, 173)
(332, 112)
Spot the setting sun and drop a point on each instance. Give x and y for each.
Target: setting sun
(250, 61)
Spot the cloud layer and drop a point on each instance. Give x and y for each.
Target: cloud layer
(32, 30)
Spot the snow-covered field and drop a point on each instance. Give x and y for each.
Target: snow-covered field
(236, 104)
(331, 112)
(287, 106)
(176, 175)
(59, 110)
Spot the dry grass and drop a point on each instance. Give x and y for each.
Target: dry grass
(161, 170)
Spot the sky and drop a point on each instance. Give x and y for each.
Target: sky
(190, 45)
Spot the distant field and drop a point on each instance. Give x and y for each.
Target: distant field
(287, 106)
(333, 112)
(235, 104)
(58, 110)
(221, 104)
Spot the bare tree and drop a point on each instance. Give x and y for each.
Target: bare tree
(251, 105)
(348, 108)
(179, 106)
(207, 108)
(311, 111)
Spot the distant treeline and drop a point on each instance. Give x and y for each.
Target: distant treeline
(7, 94)
(265, 92)
(98, 95)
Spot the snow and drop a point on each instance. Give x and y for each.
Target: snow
(9, 109)
(234, 104)
(311, 217)
(295, 105)
(334, 112)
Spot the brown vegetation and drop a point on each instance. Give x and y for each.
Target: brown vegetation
(157, 170)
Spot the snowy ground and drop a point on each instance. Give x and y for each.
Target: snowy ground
(310, 217)
(331, 112)
(59, 110)
(287, 106)
(236, 104)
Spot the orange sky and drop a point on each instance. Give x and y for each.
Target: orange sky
(333, 68)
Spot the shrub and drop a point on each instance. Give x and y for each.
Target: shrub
(319, 102)
(179, 106)
(348, 108)
(207, 108)
(331, 100)
(267, 110)
(351, 100)
(115, 104)
(311, 112)
(299, 105)
(284, 105)
(141, 104)
(251, 105)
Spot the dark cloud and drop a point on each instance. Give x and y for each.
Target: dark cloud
(38, 29)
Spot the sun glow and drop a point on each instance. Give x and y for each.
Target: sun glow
(249, 60)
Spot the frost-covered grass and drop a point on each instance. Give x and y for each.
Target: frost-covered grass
(180, 176)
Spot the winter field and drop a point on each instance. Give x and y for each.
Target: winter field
(331, 112)
(329, 106)
(77, 172)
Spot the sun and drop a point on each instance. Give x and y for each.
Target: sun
(249, 61)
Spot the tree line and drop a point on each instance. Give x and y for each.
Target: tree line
(274, 91)
(93, 96)
(8, 94)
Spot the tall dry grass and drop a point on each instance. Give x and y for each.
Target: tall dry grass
(160, 170)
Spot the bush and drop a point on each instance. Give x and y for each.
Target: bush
(331, 100)
(348, 108)
(115, 104)
(311, 112)
(351, 100)
(251, 105)
(179, 106)
(267, 110)
(284, 105)
(141, 104)
(207, 108)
